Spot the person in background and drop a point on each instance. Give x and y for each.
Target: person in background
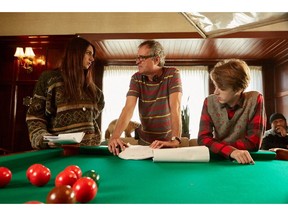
(277, 136)
(159, 90)
(232, 122)
(67, 100)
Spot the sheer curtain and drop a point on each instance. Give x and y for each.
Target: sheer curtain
(116, 80)
(256, 83)
(195, 84)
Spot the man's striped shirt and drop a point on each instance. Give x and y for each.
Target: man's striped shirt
(154, 109)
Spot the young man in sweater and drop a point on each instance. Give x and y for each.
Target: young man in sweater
(232, 121)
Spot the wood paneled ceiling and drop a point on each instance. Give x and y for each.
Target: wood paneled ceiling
(191, 47)
(188, 46)
(224, 41)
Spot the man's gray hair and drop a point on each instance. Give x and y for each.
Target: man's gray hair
(156, 50)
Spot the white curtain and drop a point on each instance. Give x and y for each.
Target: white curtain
(116, 80)
(195, 83)
(256, 83)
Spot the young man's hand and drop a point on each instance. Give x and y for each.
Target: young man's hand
(242, 156)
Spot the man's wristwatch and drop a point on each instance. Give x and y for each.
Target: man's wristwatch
(176, 138)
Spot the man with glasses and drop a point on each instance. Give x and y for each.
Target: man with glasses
(159, 90)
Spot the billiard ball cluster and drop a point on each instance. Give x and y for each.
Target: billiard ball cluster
(71, 186)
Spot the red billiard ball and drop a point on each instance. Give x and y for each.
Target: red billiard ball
(66, 177)
(39, 175)
(85, 189)
(61, 194)
(5, 176)
(75, 169)
(31, 169)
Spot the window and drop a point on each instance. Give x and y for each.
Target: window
(195, 84)
(256, 83)
(116, 80)
(195, 81)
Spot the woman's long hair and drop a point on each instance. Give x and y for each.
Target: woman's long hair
(77, 81)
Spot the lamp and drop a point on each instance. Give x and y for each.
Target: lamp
(25, 59)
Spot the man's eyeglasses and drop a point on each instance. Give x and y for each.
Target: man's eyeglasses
(141, 58)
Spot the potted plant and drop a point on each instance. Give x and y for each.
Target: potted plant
(185, 116)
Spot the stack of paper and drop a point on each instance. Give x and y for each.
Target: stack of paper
(67, 138)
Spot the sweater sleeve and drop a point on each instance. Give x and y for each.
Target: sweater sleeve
(35, 118)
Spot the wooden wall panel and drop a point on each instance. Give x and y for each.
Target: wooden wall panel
(7, 88)
(54, 57)
(7, 66)
(21, 138)
(281, 89)
(6, 116)
(282, 105)
(281, 78)
(268, 86)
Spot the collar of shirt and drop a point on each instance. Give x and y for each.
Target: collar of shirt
(238, 105)
(231, 110)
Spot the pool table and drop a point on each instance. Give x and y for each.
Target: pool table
(146, 182)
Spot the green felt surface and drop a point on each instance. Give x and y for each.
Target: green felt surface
(143, 181)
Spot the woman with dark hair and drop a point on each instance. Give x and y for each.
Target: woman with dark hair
(233, 121)
(67, 100)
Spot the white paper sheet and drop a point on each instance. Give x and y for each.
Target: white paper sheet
(67, 138)
(136, 152)
(183, 154)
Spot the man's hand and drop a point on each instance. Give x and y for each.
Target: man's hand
(116, 145)
(161, 144)
(242, 157)
(281, 130)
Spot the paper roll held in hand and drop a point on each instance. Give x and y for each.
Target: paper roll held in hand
(183, 154)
